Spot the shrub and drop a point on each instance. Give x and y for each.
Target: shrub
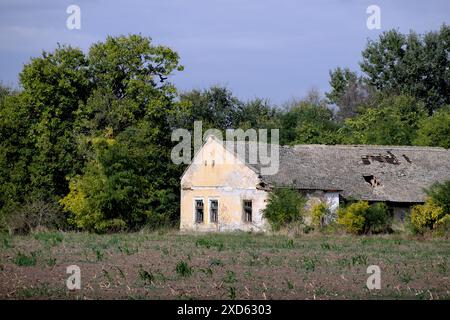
(426, 216)
(439, 193)
(377, 218)
(34, 215)
(352, 216)
(442, 226)
(284, 206)
(360, 217)
(318, 213)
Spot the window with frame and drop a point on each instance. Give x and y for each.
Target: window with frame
(214, 210)
(199, 211)
(248, 210)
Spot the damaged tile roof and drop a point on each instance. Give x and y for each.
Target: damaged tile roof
(362, 172)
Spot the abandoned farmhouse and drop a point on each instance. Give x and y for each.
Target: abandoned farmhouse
(218, 195)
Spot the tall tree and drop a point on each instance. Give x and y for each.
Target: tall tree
(393, 121)
(348, 92)
(411, 64)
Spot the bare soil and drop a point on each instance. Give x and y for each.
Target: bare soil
(222, 266)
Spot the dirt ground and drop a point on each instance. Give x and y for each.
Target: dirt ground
(169, 265)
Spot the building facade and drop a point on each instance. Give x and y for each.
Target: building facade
(221, 191)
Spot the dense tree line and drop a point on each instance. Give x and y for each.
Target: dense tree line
(87, 136)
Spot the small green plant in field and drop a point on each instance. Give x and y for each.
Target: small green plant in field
(6, 242)
(51, 238)
(207, 271)
(183, 269)
(443, 267)
(359, 259)
(42, 291)
(98, 254)
(326, 246)
(230, 277)
(24, 260)
(146, 276)
(232, 293)
(406, 278)
(289, 284)
(216, 262)
(344, 262)
(309, 264)
(210, 242)
(51, 262)
(128, 251)
(165, 251)
(289, 244)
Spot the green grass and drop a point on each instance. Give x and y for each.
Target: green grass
(25, 260)
(50, 238)
(183, 269)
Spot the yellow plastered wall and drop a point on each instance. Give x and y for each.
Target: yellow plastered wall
(217, 174)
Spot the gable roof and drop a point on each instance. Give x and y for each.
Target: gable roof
(362, 172)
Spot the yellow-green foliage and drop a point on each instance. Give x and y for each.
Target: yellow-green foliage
(427, 215)
(352, 216)
(318, 212)
(83, 202)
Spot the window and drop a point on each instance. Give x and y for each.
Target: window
(199, 211)
(248, 210)
(213, 210)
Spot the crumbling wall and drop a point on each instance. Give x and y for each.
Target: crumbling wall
(216, 174)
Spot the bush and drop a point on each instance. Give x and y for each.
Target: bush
(352, 216)
(360, 217)
(439, 193)
(426, 216)
(442, 227)
(377, 218)
(319, 211)
(284, 206)
(34, 215)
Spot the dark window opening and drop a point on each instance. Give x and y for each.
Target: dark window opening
(247, 210)
(199, 211)
(214, 210)
(373, 181)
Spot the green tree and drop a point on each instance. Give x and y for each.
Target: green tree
(130, 179)
(216, 107)
(439, 193)
(307, 123)
(411, 64)
(348, 92)
(129, 183)
(53, 86)
(434, 131)
(393, 121)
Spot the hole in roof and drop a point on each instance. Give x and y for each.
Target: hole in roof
(382, 158)
(373, 181)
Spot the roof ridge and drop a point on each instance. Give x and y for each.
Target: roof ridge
(372, 146)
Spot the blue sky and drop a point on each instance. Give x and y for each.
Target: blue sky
(275, 49)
